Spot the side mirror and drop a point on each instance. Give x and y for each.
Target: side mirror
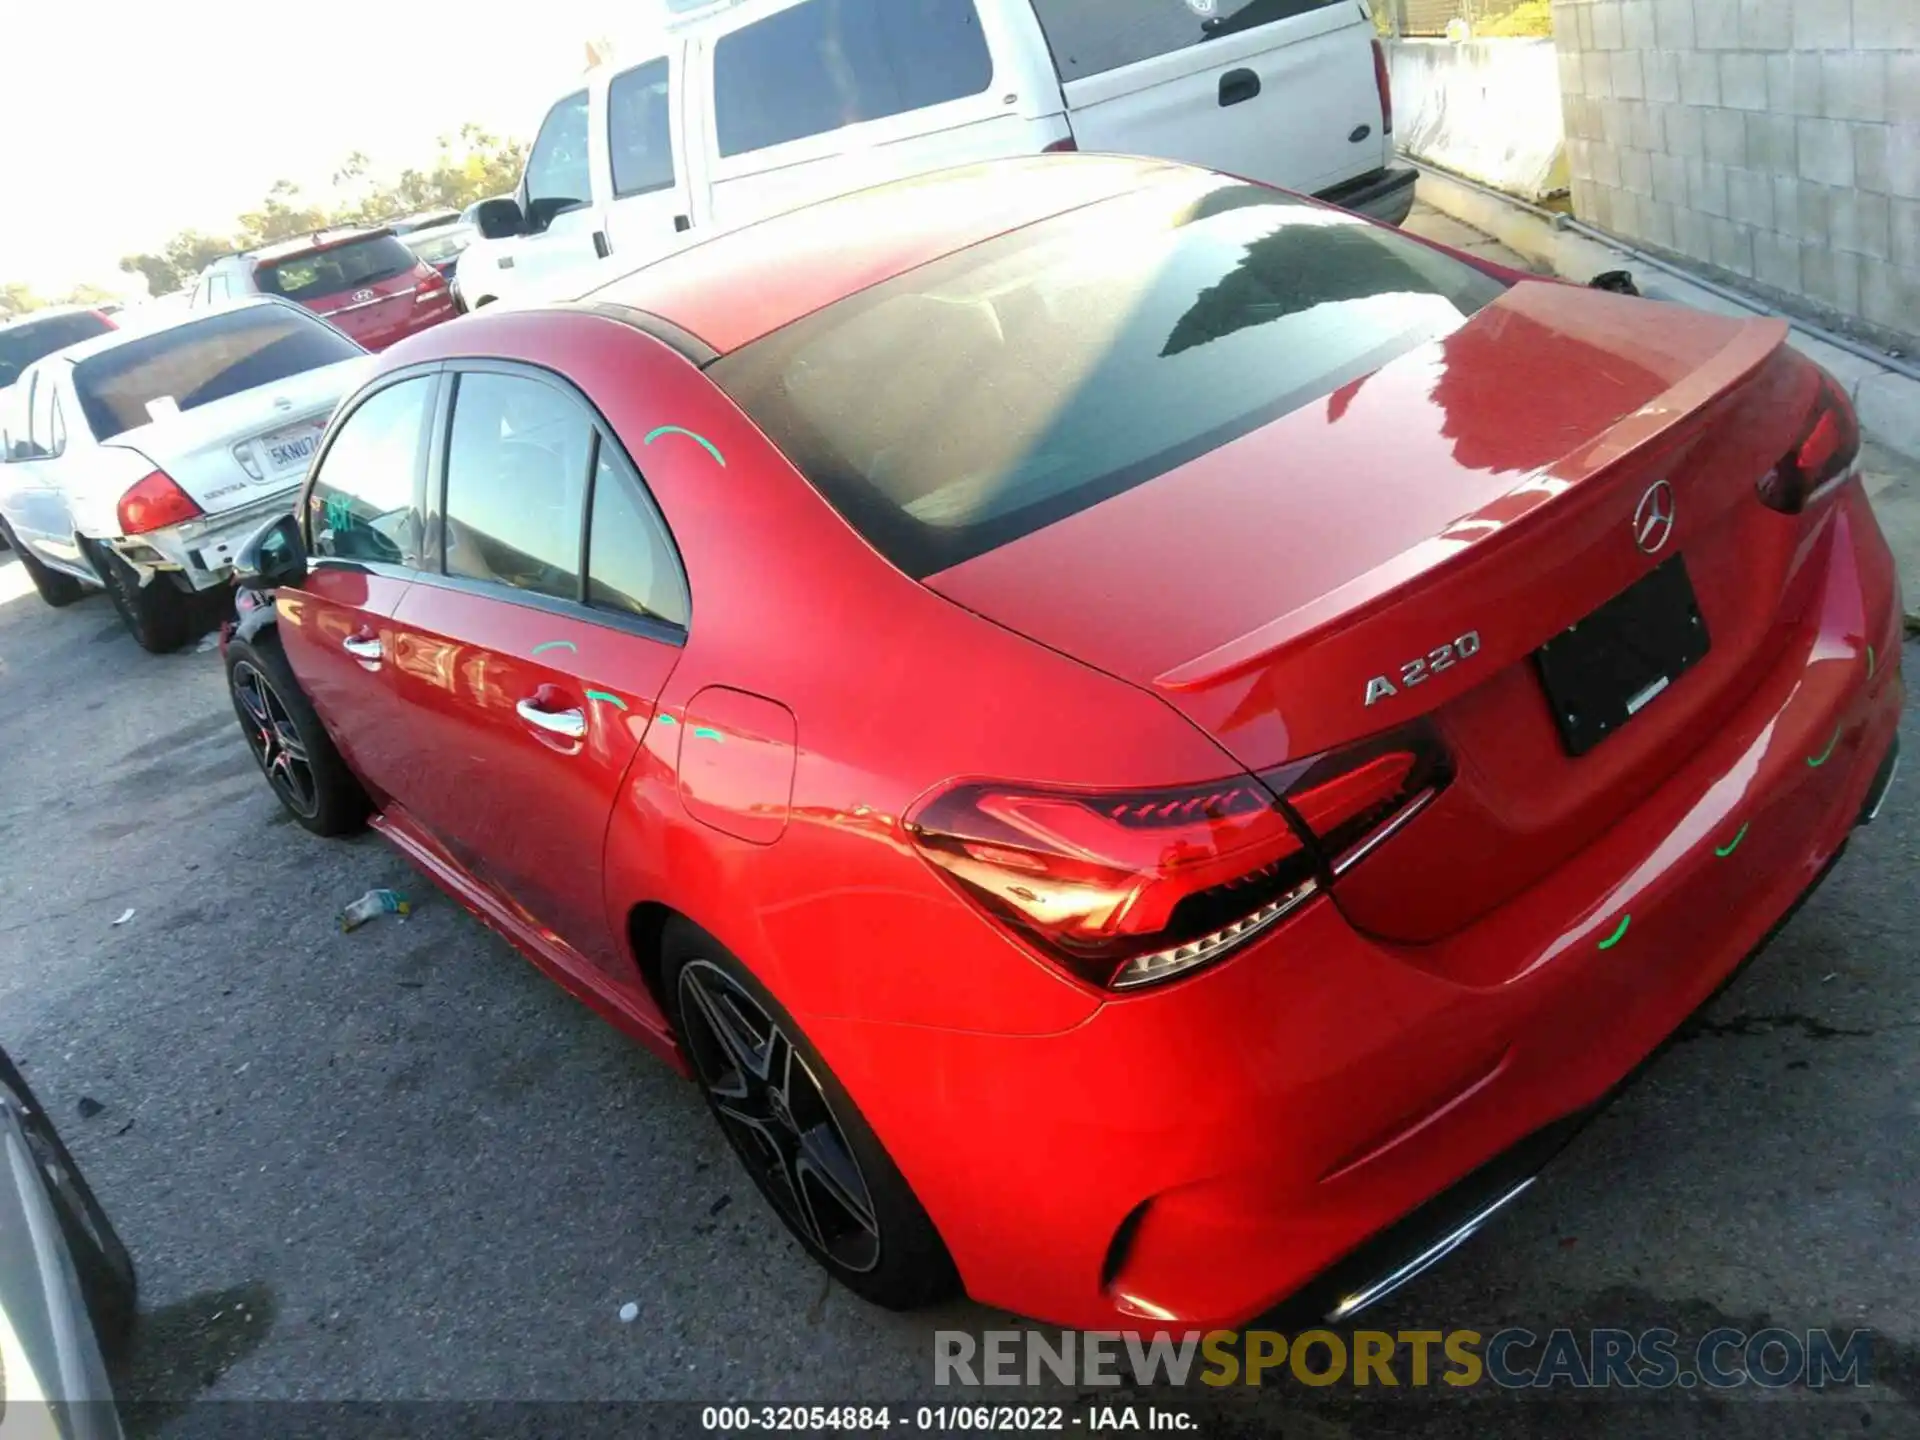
(274, 556)
(499, 218)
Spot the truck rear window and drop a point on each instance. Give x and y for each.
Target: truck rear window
(971, 401)
(1090, 37)
(322, 273)
(190, 365)
(26, 341)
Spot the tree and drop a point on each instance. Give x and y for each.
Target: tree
(17, 299)
(468, 166)
(87, 295)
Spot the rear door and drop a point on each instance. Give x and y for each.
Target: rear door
(36, 506)
(535, 653)
(644, 132)
(364, 529)
(1275, 90)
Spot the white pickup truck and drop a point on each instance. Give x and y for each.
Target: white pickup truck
(746, 108)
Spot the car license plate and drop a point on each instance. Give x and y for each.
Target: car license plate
(1603, 671)
(291, 449)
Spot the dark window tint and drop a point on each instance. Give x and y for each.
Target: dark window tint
(640, 130)
(1092, 36)
(362, 504)
(968, 402)
(204, 360)
(333, 272)
(631, 565)
(557, 174)
(26, 341)
(830, 63)
(517, 484)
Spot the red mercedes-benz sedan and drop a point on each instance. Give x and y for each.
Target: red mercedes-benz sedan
(1152, 745)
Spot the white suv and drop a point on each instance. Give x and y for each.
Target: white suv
(747, 108)
(142, 460)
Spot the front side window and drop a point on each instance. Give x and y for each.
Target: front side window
(631, 565)
(1090, 37)
(517, 484)
(185, 366)
(361, 505)
(827, 64)
(966, 403)
(558, 177)
(640, 130)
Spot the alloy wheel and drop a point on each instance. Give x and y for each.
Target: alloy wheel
(777, 1115)
(275, 739)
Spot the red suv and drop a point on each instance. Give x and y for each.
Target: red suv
(364, 281)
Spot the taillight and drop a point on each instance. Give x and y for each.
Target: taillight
(429, 286)
(1821, 457)
(1129, 888)
(154, 503)
(1062, 147)
(1383, 82)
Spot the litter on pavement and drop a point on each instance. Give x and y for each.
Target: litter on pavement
(368, 906)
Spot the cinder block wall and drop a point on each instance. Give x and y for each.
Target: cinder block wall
(1775, 140)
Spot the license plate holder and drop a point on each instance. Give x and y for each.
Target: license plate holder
(1602, 671)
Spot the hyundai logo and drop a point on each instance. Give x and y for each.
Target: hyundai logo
(1653, 520)
(361, 297)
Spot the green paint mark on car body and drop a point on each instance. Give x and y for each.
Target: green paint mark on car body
(547, 645)
(1825, 755)
(700, 440)
(1735, 845)
(609, 699)
(1872, 663)
(707, 732)
(666, 720)
(1618, 935)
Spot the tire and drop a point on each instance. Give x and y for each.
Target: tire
(797, 1138)
(100, 1259)
(160, 617)
(288, 741)
(56, 588)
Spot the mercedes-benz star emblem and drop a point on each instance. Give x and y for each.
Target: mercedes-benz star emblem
(1653, 520)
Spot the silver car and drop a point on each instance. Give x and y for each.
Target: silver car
(67, 1291)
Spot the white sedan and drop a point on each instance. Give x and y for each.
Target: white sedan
(141, 460)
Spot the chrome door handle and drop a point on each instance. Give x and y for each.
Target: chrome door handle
(570, 723)
(362, 649)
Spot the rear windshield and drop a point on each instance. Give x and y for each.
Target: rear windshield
(435, 246)
(1093, 36)
(192, 365)
(322, 273)
(27, 341)
(971, 401)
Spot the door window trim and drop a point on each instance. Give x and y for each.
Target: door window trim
(303, 510)
(604, 441)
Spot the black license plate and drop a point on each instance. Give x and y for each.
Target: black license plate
(1603, 671)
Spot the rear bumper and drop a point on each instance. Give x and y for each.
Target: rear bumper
(200, 552)
(1385, 195)
(1192, 1157)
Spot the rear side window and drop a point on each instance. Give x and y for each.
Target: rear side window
(966, 403)
(640, 130)
(324, 273)
(195, 364)
(1090, 37)
(831, 63)
(517, 485)
(361, 505)
(23, 343)
(631, 565)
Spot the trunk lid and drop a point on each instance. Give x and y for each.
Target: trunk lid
(232, 452)
(1275, 90)
(385, 312)
(1483, 485)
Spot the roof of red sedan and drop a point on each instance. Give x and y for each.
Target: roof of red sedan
(749, 282)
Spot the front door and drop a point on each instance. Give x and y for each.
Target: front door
(363, 536)
(535, 653)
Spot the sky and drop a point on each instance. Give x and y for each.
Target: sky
(123, 122)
